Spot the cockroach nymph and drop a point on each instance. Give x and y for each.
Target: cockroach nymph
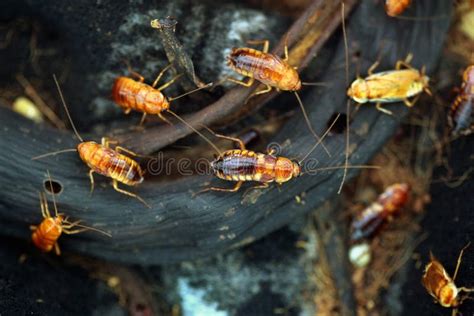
(242, 165)
(461, 113)
(390, 86)
(372, 218)
(269, 69)
(45, 236)
(102, 159)
(396, 7)
(441, 286)
(136, 95)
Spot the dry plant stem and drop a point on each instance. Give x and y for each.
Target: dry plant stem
(44, 108)
(317, 23)
(331, 233)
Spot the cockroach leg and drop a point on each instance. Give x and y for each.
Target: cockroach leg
(91, 177)
(371, 69)
(135, 74)
(266, 44)
(164, 119)
(75, 231)
(234, 189)
(379, 107)
(158, 78)
(56, 249)
(125, 150)
(411, 103)
(242, 83)
(70, 225)
(234, 139)
(404, 63)
(264, 185)
(266, 90)
(142, 120)
(115, 185)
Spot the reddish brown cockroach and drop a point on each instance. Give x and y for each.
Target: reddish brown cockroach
(102, 159)
(241, 165)
(139, 96)
(462, 110)
(396, 7)
(269, 69)
(45, 236)
(439, 284)
(371, 219)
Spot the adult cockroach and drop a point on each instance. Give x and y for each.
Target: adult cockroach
(390, 86)
(241, 165)
(269, 69)
(139, 96)
(396, 7)
(461, 113)
(45, 236)
(371, 219)
(102, 159)
(439, 284)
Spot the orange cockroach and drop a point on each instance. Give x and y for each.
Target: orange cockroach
(269, 69)
(240, 165)
(440, 285)
(139, 96)
(396, 7)
(45, 236)
(370, 220)
(390, 86)
(102, 159)
(462, 109)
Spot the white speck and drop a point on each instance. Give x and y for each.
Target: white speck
(193, 303)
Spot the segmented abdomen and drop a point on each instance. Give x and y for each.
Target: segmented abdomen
(110, 163)
(246, 165)
(462, 112)
(253, 63)
(138, 96)
(372, 217)
(46, 235)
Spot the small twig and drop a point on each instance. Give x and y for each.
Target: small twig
(42, 106)
(306, 36)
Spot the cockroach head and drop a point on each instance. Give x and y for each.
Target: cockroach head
(216, 164)
(296, 169)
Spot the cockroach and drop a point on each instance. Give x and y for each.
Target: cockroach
(390, 86)
(371, 219)
(45, 236)
(102, 159)
(241, 165)
(396, 7)
(269, 69)
(462, 110)
(136, 95)
(439, 284)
